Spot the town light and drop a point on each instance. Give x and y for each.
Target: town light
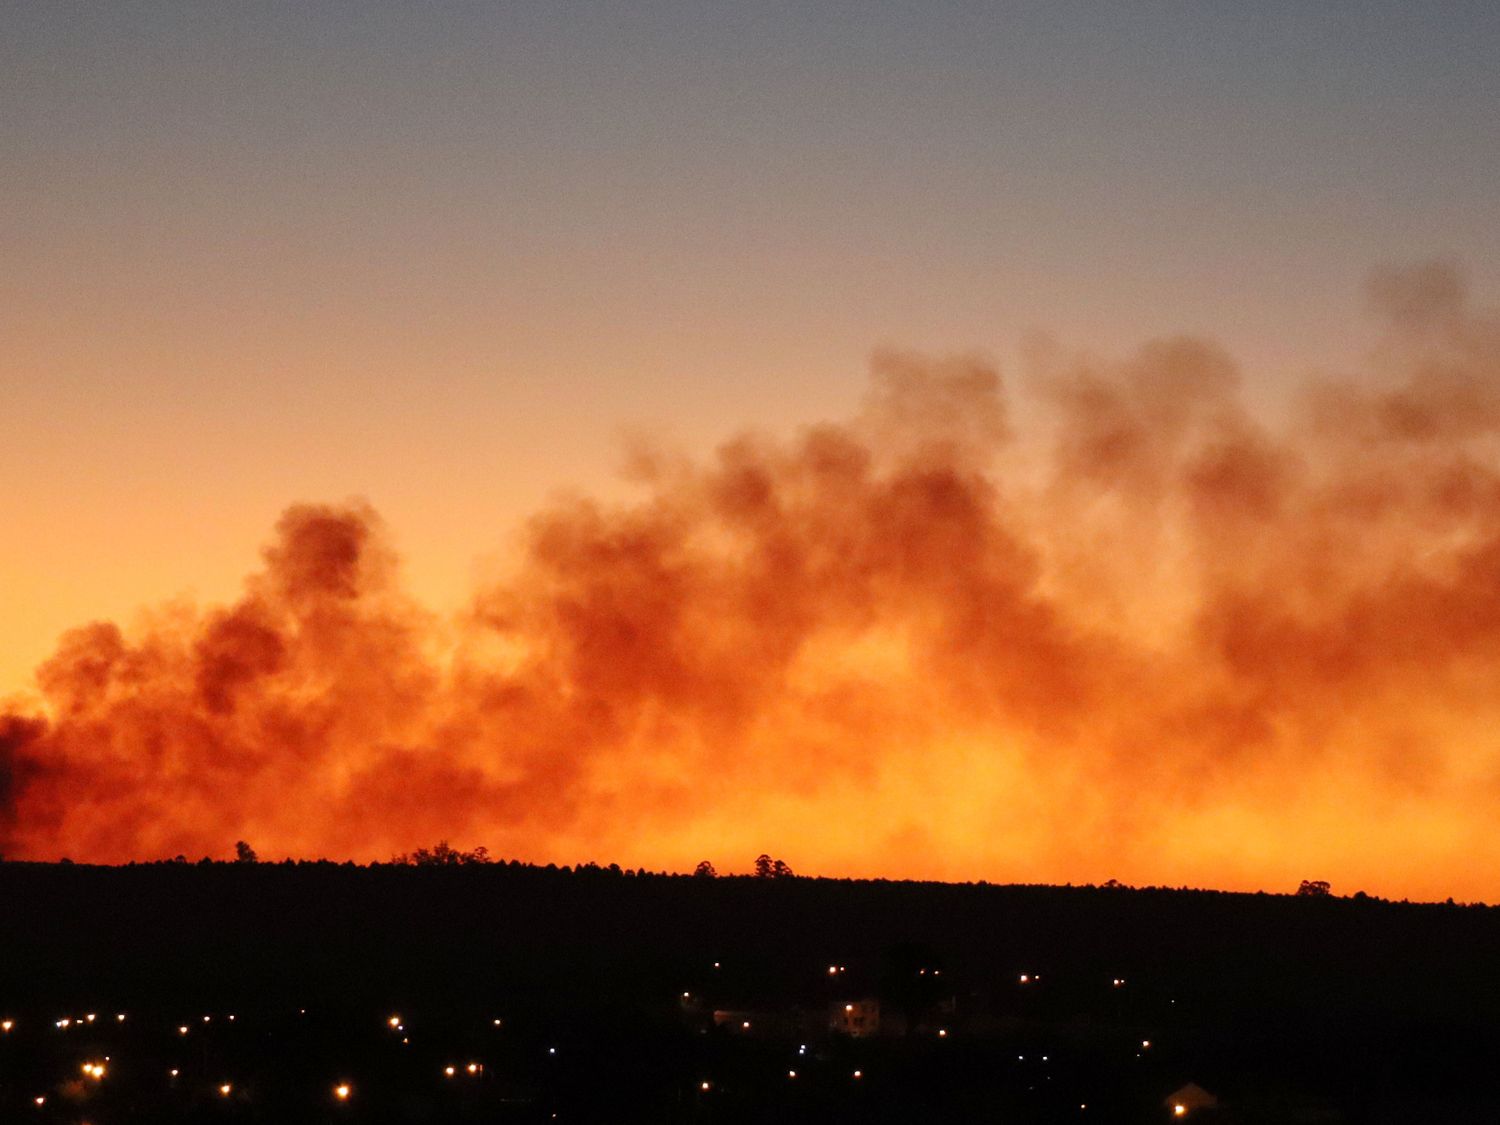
(6, 1025)
(40, 1100)
(706, 1086)
(182, 1030)
(225, 1090)
(449, 1071)
(342, 1091)
(1179, 1110)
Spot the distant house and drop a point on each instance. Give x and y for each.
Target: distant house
(1189, 1099)
(856, 1018)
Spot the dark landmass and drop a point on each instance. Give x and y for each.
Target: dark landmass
(1287, 1008)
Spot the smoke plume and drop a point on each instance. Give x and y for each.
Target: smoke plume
(1118, 626)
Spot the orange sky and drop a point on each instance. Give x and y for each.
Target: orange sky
(1110, 626)
(462, 272)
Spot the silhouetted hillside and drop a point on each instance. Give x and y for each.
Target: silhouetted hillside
(1371, 1004)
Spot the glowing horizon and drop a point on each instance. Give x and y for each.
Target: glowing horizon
(1130, 631)
(528, 345)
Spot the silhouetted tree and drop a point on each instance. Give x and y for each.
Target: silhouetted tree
(442, 855)
(1315, 888)
(244, 853)
(768, 868)
(705, 870)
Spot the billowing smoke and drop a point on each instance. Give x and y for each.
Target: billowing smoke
(1118, 626)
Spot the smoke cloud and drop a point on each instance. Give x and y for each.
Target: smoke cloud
(1111, 625)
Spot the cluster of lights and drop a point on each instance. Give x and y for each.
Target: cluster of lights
(835, 970)
(343, 1091)
(1030, 978)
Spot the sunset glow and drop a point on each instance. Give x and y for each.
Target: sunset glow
(1018, 447)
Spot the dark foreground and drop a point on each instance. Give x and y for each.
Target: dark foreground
(654, 998)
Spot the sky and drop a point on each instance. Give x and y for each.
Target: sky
(466, 274)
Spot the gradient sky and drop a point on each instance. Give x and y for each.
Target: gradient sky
(442, 256)
(452, 258)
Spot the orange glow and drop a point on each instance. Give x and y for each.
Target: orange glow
(342, 1091)
(1010, 629)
